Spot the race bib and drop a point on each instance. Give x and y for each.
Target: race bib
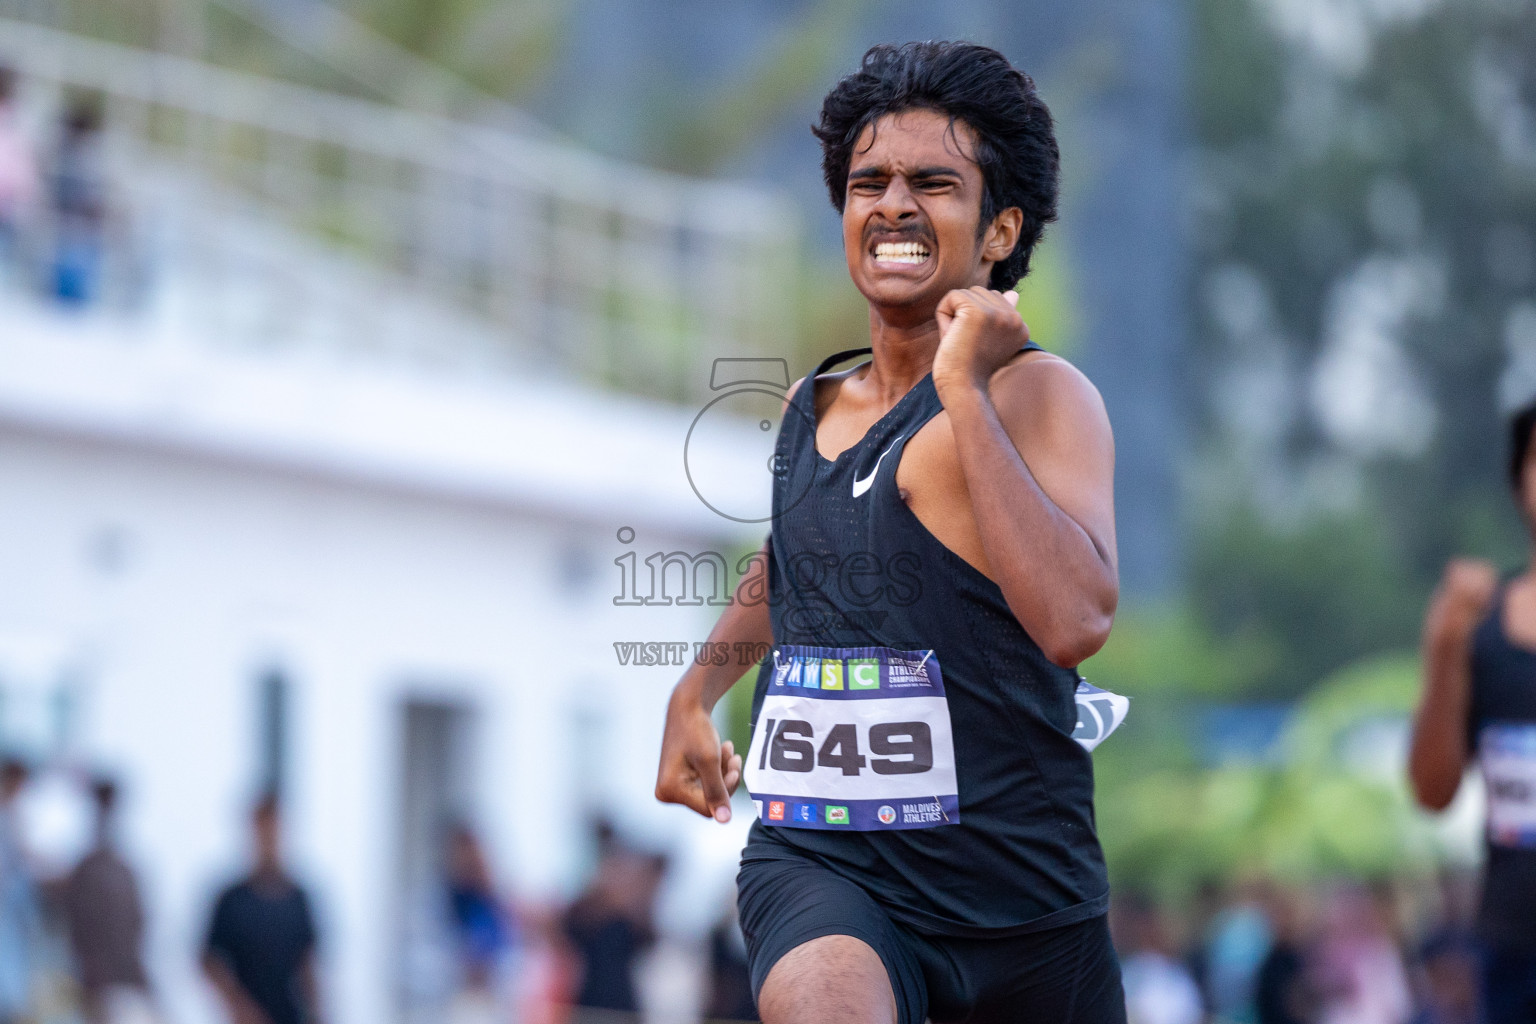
(854, 738)
(1507, 753)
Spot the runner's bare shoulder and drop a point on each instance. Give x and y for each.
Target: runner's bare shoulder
(789, 396)
(1043, 399)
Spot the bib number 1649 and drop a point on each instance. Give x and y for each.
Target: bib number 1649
(896, 748)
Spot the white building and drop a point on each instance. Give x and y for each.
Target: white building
(389, 586)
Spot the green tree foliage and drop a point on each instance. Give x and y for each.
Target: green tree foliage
(1170, 652)
(1321, 593)
(1366, 253)
(1328, 801)
(501, 46)
(700, 133)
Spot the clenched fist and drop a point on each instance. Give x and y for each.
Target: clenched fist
(1464, 595)
(979, 331)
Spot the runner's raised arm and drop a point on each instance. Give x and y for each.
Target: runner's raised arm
(1438, 753)
(1034, 442)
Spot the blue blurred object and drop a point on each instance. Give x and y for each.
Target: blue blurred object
(1240, 939)
(482, 931)
(1241, 733)
(77, 271)
(20, 926)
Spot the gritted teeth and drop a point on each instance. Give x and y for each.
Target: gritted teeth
(901, 252)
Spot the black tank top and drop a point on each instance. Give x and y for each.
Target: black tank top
(1504, 705)
(851, 565)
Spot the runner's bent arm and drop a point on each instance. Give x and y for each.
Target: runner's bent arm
(697, 770)
(1034, 442)
(1437, 754)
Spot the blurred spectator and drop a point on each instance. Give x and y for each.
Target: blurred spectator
(730, 982)
(105, 919)
(1283, 991)
(1448, 968)
(544, 980)
(1362, 979)
(18, 175)
(20, 923)
(610, 925)
(1207, 904)
(1236, 942)
(1158, 987)
(481, 929)
(260, 951)
(79, 201)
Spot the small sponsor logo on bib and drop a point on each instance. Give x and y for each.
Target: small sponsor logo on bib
(832, 674)
(886, 814)
(929, 812)
(776, 810)
(863, 674)
(837, 815)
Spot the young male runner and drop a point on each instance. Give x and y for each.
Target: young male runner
(942, 555)
(1480, 699)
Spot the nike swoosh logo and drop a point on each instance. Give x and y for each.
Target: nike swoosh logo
(860, 486)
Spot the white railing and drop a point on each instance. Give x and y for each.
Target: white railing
(621, 274)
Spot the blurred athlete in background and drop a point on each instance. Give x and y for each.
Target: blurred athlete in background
(1480, 701)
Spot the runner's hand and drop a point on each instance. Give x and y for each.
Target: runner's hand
(979, 331)
(1464, 595)
(697, 770)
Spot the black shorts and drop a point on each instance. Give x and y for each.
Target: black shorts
(1063, 975)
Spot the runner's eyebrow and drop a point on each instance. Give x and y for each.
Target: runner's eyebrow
(922, 172)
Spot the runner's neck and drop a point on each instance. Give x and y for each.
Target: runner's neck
(902, 355)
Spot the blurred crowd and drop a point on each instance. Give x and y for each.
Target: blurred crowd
(72, 936)
(1257, 952)
(84, 922)
(1261, 952)
(62, 230)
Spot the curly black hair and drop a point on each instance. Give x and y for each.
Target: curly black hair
(1521, 425)
(1015, 138)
